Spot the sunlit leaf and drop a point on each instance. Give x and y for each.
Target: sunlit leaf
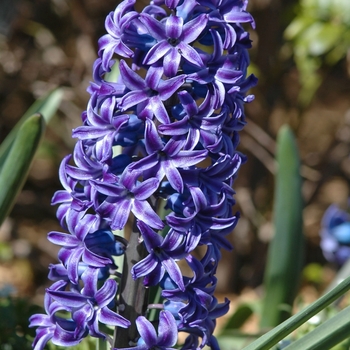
(46, 106)
(326, 335)
(16, 166)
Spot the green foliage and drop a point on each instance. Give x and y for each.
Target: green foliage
(320, 34)
(328, 334)
(46, 106)
(14, 323)
(19, 147)
(285, 257)
(278, 333)
(16, 166)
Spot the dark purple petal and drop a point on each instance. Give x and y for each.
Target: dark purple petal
(167, 88)
(238, 17)
(90, 278)
(189, 158)
(69, 299)
(174, 272)
(144, 212)
(177, 128)
(190, 54)
(65, 338)
(146, 189)
(111, 318)
(83, 315)
(194, 28)
(106, 293)
(144, 267)
(131, 79)
(145, 163)
(72, 264)
(167, 330)
(171, 3)
(147, 331)
(155, 107)
(188, 103)
(63, 239)
(121, 214)
(109, 189)
(43, 335)
(157, 52)
(40, 320)
(95, 260)
(155, 28)
(174, 176)
(153, 142)
(153, 77)
(151, 238)
(173, 27)
(132, 98)
(171, 62)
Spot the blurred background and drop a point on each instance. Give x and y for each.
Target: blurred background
(301, 55)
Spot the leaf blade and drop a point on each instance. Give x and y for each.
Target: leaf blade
(16, 166)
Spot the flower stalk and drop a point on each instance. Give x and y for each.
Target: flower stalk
(133, 295)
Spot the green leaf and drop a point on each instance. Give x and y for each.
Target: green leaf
(326, 335)
(102, 344)
(46, 106)
(15, 169)
(278, 333)
(285, 256)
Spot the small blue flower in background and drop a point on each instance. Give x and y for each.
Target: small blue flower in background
(335, 235)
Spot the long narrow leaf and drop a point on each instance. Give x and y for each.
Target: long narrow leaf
(271, 338)
(46, 106)
(326, 335)
(285, 255)
(15, 169)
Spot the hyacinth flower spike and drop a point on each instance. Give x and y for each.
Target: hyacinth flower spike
(157, 150)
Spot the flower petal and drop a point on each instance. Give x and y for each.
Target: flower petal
(167, 330)
(147, 331)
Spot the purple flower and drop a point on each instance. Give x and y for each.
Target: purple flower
(148, 94)
(335, 235)
(174, 38)
(59, 330)
(95, 249)
(157, 144)
(165, 339)
(166, 159)
(163, 253)
(199, 125)
(116, 23)
(91, 306)
(127, 196)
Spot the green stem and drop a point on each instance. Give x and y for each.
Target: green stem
(281, 331)
(133, 297)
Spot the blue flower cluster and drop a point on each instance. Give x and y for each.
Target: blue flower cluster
(335, 235)
(174, 111)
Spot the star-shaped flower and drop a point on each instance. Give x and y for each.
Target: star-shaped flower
(174, 38)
